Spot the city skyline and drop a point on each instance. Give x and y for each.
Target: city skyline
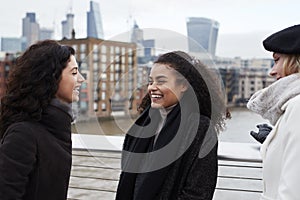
(243, 24)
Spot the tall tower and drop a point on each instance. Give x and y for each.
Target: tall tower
(94, 21)
(30, 30)
(137, 35)
(68, 26)
(202, 34)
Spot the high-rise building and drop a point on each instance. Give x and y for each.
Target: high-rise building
(137, 35)
(94, 21)
(68, 26)
(145, 48)
(46, 33)
(30, 29)
(202, 35)
(11, 45)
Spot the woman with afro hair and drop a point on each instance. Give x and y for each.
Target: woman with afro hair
(171, 150)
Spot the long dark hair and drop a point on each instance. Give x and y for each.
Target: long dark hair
(33, 82)
(204, 82)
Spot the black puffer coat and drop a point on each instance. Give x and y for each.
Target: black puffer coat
(35, 157)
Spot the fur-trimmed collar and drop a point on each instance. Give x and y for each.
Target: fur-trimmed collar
(269, 101)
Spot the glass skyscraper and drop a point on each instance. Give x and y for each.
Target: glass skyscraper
(94, 21)
(202, 34)
(30, 29)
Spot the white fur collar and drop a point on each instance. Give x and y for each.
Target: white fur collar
(268, 102)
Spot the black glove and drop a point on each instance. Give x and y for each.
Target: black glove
(263, 132)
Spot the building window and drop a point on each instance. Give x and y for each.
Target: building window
(82, 47)
(95, 49)
(83, 105)
(117, 50)
(129, 60)
(95, 77)
(103, 86)
(103, 95)
(83, 95)
(103, 107)
(103, 49)
(82, 56)
(95, 106)
(129, 51)
(103, 67)
(103, 76)
(112, 59)
(95, 56)
(103, 58)
(84, 85)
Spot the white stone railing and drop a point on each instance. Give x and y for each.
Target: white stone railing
(96, 169)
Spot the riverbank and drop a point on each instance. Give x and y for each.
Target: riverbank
(237, 128)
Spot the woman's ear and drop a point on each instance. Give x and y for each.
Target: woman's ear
(184, 86)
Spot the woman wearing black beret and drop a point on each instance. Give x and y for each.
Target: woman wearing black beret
(280, 104)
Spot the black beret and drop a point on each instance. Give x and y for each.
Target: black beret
(286, 41)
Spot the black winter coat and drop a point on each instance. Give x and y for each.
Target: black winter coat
(35, 157)
(192, 176)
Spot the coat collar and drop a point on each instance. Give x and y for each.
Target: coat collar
(57, 119)
(269, 102)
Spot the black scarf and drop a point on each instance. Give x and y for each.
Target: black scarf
(142, 177)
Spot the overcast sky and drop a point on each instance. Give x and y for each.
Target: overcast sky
(243, 23)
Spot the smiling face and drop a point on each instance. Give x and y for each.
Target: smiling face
(69, 85)
(164, 87)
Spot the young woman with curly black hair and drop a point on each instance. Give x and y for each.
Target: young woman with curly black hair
(171, 150)
(35, 123)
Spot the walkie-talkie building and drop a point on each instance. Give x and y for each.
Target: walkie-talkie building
(202, 34)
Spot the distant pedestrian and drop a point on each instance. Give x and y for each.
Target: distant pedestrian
(171, 150)
(35, 123)
(280, 104)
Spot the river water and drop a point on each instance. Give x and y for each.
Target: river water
(237, 128)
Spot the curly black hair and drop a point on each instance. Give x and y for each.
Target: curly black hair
(204, 83)
(33, 82)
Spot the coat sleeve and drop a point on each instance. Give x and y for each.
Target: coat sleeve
(17, 158)
(289, 178)
(202, 178)
(202, 173)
